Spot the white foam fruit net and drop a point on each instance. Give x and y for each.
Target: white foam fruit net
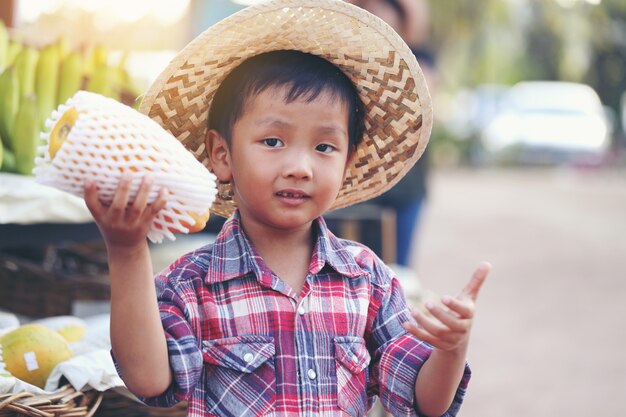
(109, 138)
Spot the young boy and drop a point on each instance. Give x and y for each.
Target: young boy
(313, 105)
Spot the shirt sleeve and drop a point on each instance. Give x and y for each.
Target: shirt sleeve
(398, 356)
(185, 358)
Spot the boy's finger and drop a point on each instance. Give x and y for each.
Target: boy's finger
(422, 334)
(472, 288)
(91, 198)
(454, 323)
(141, 200)
(430, 325)
(463, 309)
(158, 204)
(120, 199)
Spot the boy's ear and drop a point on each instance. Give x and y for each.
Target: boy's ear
(219, 155)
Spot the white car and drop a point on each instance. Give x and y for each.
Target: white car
(549, 121)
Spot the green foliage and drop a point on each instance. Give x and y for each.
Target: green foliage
(495, 41)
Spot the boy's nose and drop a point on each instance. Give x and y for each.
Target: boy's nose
(298, 166)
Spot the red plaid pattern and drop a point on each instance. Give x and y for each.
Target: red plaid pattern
(242, 343)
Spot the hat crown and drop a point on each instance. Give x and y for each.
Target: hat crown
(389, 81)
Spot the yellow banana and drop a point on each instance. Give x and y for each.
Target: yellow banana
(100, 56)
(46, 82)
(9, 103)
(8, 161)
(26, 135)
(70, 76)
(63, 47)
(26, 65)
(13, 50)
(102, 81)
(4, 45)
(87, 54)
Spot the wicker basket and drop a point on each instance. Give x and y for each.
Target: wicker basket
(44, 282)
(115, 404)
(65, 402)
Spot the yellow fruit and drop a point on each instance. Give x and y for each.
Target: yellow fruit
(103, 81)
(47, 81)
(8, 161)
(31, 352)
(4, 45)
(26, 134)
(71, 328)
(70, 76)
(109, 138)
(72, 334)
(100, 56)
(199, 221)
(13, 49)
(9, 104)
(25, 67)
(61, 129)
(63, 46)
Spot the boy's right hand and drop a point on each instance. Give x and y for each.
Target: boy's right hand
(123, 225)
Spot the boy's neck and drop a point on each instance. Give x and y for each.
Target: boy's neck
(286, 252)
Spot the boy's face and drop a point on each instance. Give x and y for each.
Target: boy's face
(287, 161)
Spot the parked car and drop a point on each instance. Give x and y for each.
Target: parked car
(549, 121)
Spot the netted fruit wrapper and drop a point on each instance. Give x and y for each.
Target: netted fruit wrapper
(95, 137)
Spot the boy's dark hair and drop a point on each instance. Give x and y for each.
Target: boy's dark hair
(305, 75)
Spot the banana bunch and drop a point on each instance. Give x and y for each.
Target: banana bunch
(34, 81)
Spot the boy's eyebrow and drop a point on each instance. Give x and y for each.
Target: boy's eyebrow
(274, 122)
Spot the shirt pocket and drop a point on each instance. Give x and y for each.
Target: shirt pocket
(352, 360)
(240, 375)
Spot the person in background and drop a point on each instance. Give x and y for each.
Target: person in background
(410, 19)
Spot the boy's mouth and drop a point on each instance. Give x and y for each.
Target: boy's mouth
(291, 194)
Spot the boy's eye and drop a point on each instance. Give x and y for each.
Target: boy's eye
(273, 142)
(325, 148)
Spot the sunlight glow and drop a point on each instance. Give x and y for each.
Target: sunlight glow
(165, 12)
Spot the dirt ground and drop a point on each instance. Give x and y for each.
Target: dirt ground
(549, 335)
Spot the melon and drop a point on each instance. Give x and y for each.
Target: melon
(95, 137)
(71, 328)
(31, 352)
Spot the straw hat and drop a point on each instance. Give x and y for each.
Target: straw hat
(389, 81)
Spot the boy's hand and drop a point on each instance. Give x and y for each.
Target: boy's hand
(123, 225)
(449, 327)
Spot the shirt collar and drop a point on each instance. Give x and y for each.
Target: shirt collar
(234, 256)
(334, 252)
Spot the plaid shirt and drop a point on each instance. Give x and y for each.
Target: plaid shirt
(242, 343)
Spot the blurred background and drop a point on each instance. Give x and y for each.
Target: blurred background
(526, 169)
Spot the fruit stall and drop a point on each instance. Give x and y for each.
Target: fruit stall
(54, 323)
(54, 287)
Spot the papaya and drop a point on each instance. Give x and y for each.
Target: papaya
(31, 352)
(61, 129)
(71, 328)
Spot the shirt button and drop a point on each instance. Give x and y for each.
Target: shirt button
(247, 358)
(312, 374)
(301, 310)
(355, 359)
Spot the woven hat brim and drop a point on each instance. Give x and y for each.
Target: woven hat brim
(389, 80)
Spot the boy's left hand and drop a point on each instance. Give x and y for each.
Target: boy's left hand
(449, 327)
